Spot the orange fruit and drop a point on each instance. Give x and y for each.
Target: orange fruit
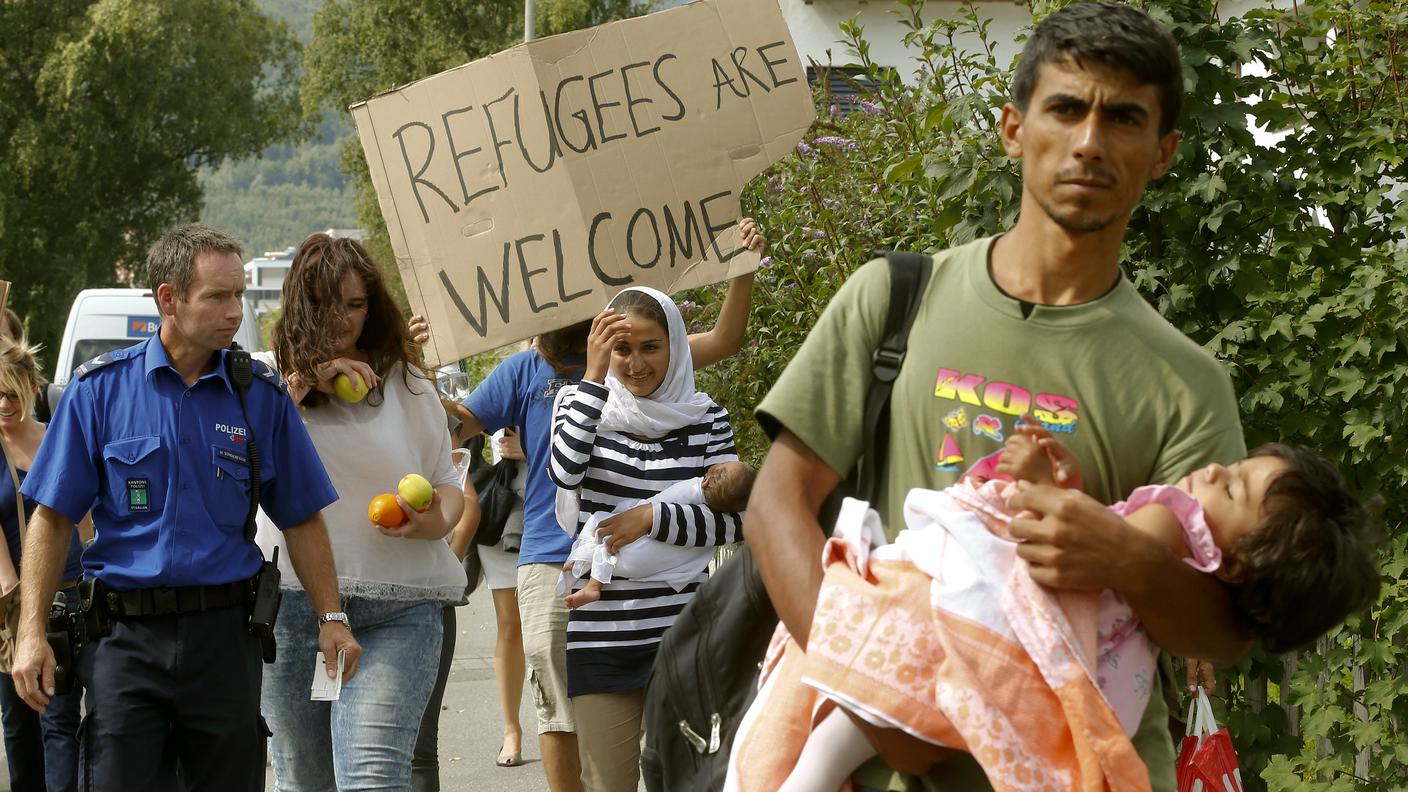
(385, 511)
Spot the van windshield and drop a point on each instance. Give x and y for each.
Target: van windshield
(88, 348)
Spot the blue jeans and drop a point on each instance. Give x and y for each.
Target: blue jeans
(364, 740)
(42, 750)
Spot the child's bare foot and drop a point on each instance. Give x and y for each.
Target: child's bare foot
(589, 593)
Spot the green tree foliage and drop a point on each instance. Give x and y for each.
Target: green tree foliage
(1288, 261)
(107, 110)
(288, 191)
(363, 47)
(910, 167)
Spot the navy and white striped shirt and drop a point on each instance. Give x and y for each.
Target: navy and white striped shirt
(611, 643)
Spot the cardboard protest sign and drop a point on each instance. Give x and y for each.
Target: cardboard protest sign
(524, 189)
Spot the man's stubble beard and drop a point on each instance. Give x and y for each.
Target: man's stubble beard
(1073, 222)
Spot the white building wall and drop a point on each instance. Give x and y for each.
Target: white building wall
(816, 29)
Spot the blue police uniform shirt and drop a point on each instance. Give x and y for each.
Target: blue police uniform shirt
(165, 470)
(519, 392)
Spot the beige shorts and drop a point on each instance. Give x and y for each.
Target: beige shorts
(609, 742)
(543, 616)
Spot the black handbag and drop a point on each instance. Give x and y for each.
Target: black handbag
(494, 484)
(706, 671)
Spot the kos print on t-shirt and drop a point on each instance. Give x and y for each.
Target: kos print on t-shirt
(1134, 399)
(992, 409)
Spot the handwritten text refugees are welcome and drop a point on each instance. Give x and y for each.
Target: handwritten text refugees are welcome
(525, 196)
(585, 112)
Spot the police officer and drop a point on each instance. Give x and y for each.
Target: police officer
(155, 440)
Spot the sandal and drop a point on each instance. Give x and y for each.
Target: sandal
(509, 760)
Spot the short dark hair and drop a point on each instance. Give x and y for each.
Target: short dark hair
(557, 346)
(172, 258)
(1308, 563)
(1116, 35)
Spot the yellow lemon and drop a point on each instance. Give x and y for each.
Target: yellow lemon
(349, 389)
(416, 491)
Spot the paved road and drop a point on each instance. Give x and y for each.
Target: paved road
(470, 727)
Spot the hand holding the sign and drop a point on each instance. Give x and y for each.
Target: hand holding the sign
(419, 329)
(607, 328)
(725, 338)
(750, 236)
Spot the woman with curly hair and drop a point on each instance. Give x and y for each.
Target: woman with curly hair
(42, 749)
(339, 319)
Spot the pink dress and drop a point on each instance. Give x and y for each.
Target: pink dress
(944, 636)
(1125, 658)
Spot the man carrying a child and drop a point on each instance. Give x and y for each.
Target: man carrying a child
(1039, 320)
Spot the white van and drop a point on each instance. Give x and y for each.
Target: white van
(102, 320)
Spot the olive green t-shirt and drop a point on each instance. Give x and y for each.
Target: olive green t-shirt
(1134, 399)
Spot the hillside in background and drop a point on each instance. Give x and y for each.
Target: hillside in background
(297, 13)
(277, 199)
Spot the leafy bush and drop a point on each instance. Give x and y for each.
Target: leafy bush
(1287, 261)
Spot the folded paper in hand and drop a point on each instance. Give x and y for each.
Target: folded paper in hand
(326, 688)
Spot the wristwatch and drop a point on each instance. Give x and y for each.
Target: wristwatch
(335, 616)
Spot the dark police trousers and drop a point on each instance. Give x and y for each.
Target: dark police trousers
(174, 690)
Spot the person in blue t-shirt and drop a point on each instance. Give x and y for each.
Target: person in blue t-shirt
(519, 392)
(161, 445)
(42, 749)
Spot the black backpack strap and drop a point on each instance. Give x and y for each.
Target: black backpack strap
(909, 275)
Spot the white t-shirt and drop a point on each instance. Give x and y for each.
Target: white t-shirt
(366, 450)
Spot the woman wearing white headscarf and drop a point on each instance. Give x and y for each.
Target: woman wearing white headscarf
(634, 426)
